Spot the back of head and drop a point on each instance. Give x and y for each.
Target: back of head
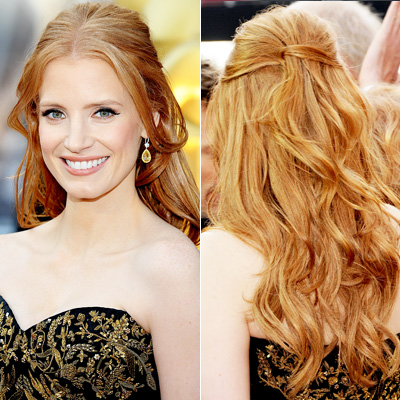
(119, 37)
(285, 100)
(299, 180)
(354, 23)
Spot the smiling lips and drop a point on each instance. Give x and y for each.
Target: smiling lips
(85, 167)
(85, 164)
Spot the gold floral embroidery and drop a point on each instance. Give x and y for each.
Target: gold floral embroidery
(82, 352)
(332, 382)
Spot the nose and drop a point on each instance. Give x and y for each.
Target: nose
(78, 137)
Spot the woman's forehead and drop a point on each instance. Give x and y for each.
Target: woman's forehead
(85, 78)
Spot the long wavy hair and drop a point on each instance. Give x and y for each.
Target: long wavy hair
(119, 37)
(298, 181)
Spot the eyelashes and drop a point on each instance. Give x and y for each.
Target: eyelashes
(53, 114)
(102, 114)
(105, 113)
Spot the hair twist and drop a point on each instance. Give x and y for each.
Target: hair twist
(310, 53)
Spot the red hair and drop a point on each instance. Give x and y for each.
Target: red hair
(300, 181)
(119, 37)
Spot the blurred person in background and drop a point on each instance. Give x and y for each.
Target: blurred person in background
(379, 79)
(103, 299)
(354, 23)
(209, 77)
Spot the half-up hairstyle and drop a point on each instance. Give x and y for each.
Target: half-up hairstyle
(300, 181)
(119, 37)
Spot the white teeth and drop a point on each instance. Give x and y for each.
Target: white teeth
(85, 164)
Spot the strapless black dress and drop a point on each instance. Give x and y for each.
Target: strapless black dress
(83, 353)
(271, 366)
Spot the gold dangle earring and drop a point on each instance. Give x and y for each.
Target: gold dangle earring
(146, 155)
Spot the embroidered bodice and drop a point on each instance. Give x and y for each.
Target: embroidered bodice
(270, 367)
(83, 353)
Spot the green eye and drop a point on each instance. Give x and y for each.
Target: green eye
(53, 114)
(56, 114)
(105, 113)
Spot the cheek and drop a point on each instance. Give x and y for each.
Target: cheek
(48, 140)
(127, 138)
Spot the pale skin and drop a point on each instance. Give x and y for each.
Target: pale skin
(382, 61)
(107, 248)
(228, 275)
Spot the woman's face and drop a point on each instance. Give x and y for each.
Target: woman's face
(89, 127)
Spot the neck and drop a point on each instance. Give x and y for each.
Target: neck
(109, 224)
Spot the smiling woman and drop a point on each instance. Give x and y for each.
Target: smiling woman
(101, 300)
(88, 130)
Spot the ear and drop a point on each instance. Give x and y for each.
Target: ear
(156, 119)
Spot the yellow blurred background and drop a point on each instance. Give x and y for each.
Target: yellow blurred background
(175, 28)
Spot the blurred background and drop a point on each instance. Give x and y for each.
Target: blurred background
(175, 28)
(220, 19)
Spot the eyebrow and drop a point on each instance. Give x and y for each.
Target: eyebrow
(102, 103)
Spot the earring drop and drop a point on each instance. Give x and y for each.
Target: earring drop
(146, 155)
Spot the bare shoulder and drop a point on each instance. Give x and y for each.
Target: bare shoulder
(173, 318)
(15, 256)
(230, 253)
(175, 244)
(13, 239)
(169, 264)
(26, 238)
(226, 241)
(17, 249)
(229, 269)
(171, 252)
(13, 245)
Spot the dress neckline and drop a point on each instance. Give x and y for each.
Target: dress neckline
(83, 309)
(256, 339)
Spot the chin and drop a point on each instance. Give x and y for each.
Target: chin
(85, 193)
